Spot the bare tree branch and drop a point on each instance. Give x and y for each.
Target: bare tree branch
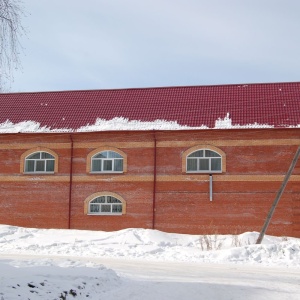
(11, 12)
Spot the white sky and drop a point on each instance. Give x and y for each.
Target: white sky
(98, 44)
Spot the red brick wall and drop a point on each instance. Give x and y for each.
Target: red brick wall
(256, 162)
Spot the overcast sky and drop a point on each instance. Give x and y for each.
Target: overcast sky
(100, 44)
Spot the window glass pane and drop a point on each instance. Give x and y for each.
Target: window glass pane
(198, 153)
(107, 165)
(101, 155)
(216, 164)
(96, 165)
(115, 200)
(118, 165)
(34, 156)
(98, 200)
(105, 208)
(46, 155)
(209, 153)
(116, 208)
(29, 166)
(94, 208)
(50, 165)
(40, 166)
(204, 164)
(191, 164)
(112, 154)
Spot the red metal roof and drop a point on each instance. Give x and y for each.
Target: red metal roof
(276, 104)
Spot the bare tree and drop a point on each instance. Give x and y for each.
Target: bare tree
(11, 30)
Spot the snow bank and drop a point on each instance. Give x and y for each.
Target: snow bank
(151, 245)
(67, 264)
(60, 282)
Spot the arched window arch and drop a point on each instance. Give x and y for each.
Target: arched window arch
(204, 159)
(105, 203)
(39, 160)
(107, 160)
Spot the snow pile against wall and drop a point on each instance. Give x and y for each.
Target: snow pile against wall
(150, 244)
(120, 123)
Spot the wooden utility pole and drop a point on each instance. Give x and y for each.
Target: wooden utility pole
(278, 196)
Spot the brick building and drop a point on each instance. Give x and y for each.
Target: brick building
(218, 173)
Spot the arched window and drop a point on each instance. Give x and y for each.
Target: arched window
(39, 162)
(204, 161)
(105, 205)
(107, 161)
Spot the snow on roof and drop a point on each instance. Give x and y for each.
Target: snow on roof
(268, 105)
(120, 124)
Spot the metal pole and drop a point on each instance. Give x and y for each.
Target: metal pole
(278, 196)
(210, 188)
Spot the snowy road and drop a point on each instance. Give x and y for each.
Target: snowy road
(177, 280)
(230, 281)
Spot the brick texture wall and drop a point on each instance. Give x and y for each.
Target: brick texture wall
(256, 163)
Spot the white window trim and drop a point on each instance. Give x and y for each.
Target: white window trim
(39, 159)
(105, 213)
(107, 159)
(199, 158)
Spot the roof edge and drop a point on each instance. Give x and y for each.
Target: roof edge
(154, 87)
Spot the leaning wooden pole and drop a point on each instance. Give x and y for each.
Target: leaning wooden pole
(278, 196)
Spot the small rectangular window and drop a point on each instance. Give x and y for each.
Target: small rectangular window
(118, 165)
(105, 208)
(116, 208)
(107, 165)
(40, 166)
(204, 164)
(29, 166)
(94, 208)
(192, 164)
(50, 165)
(216, 164)
(96, 165)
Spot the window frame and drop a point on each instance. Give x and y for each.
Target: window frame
(88, 200)
(25, 158)
(92, 154)
(204, 158)
(185, 157)
(107, 159)
(106, 203)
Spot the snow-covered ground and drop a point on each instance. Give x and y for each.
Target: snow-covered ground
(145, 264)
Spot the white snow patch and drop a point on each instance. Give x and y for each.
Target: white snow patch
(150, 245)
(145, 264)
(226, 123)
(25, 126)
(126, 124)
(120, 123)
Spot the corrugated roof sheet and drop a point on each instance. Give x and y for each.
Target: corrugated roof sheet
(276, 104)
